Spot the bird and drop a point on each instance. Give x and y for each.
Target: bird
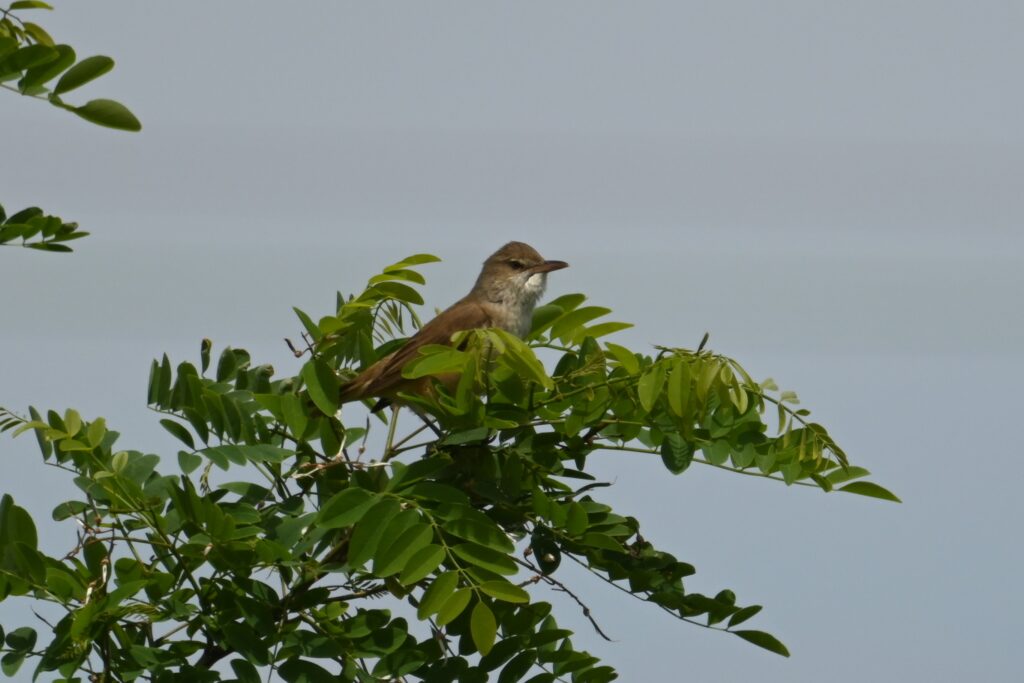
(510, 283)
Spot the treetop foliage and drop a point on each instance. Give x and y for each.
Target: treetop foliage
(282, 539)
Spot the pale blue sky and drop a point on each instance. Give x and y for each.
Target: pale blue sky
(833, 190)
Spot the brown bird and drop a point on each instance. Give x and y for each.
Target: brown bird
(509, 286)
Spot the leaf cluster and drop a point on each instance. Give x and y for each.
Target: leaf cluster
(31, 59)
(36, 230)
(284, 541)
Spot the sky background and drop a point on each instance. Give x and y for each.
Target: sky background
(834, 190)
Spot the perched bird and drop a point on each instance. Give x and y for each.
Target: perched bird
(509, 286)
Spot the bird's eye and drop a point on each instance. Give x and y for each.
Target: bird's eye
(517, 265)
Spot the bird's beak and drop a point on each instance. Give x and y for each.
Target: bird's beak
(548, 266)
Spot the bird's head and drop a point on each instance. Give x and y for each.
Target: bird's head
(515, 274)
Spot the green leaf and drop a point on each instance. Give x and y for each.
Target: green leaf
(295, 416)
(679, 387)
(108, 113)
(29, 4)
(188, 462)
(21, 639)
(421, 564)
(414, 260)
(843, 474)
(399, 291)
(743, 614)
(27, 57)
(86, 70)
(503, 590)
(676, 453)
(205, 346)
(650, 385)
(454, 606)
(437, 594)
(346, 508)
(483, 627)
(11, 662)
(576, 520)
(765, 640)
(322, 384)
(179, 432)
(435, 359)
(626, 358)
(44, 73)
(393, 558)
(367, 534)
(568, 325)
(492, 560)
(871, 489)
(489, 535)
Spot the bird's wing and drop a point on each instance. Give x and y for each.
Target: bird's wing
(386, 374)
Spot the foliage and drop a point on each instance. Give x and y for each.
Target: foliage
(37, 230)
(275, 567)
(31, 57)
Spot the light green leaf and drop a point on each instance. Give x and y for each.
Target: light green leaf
(650, 385)
(503, 590)
(435, 359)
(437, 594)
(421, 564)
(679, 387)
(483, 627)
(454, 606)
(626, 358)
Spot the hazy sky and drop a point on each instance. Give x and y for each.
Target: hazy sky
(834, 190)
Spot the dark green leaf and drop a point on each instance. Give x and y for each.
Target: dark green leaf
(346, 508)
(179, 432)
(108, 113)
(367, 533)
(322, 384)
(676, 453)
(401, 548)
(27, 57)
(38, 75)
(867, 488)
(489, 535)
(491, 560)
(765, 640)
(743, 614)
(86, 70)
